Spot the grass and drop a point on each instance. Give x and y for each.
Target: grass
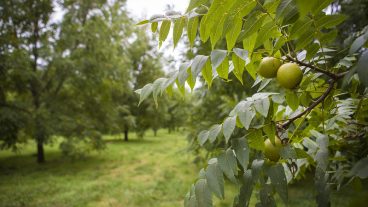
(156, 171)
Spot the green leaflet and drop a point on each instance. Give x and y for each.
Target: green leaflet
(228, 127)
(246, 116)
(195, 3)
(241, 149)
(217, 57)
(268, 30)
(257, 168)
(254, 23)
(227, 163)
(360, 168)
(192, 30)
(156, 89)
(181, 87)
(329, 21)
(216, 32)
(215, 180)
(328, 37)
(287, 12)
(183, 73)
(281, 41)
(265, 195)
(164, 31)
(246, 189)
(223, 69)
(238, 11)
(144, 92)
(322, 160)
(255, 139)
(278, 181)
(252, 69)
(191, 80)
(271, 6)
(362, 68)
(322, 188)
(203, 194)
(292, 100)
(178, 30)
(197, 65)
(358, 43)
(154, 26)
(239, 65)
(288, 152)
(243, 54)
(216, 18)
(233, 33)
(214, 132)
(249, 42)
(203, 137)
(270, 130)
(304, 7)
(204, 32)
(262, 106)
(304, 40)
(319, 5)
(312, 50)
(300, 27)
(143, 22)
(207, 73)
(190, 199)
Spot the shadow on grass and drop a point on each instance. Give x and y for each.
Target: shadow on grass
(132, 141)
(56, 164)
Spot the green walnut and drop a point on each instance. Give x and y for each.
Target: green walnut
(272, 151)
(268, 67)
(289, 75)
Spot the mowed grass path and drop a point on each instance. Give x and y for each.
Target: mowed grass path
(156, 171)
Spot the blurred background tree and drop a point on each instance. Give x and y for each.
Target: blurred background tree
(76, 78)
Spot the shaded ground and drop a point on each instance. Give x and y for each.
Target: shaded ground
(154, 172)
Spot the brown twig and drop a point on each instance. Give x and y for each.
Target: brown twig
(312, 106)
(284, 124)
(331, 75)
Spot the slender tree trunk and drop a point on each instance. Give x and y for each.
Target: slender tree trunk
(40, 152)
(39, 133)
(155, 132)
(35, 90)
(126, 131)
(39, 137)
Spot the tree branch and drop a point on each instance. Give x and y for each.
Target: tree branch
(329, 74)
(333, 79)
(311, 107)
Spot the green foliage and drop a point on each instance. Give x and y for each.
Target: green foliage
(75, 78)
(316, 122)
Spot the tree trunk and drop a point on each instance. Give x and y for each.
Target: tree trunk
(169, 130)
(40, 152)
(155, 132)
(35, 90)
(126, 135)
